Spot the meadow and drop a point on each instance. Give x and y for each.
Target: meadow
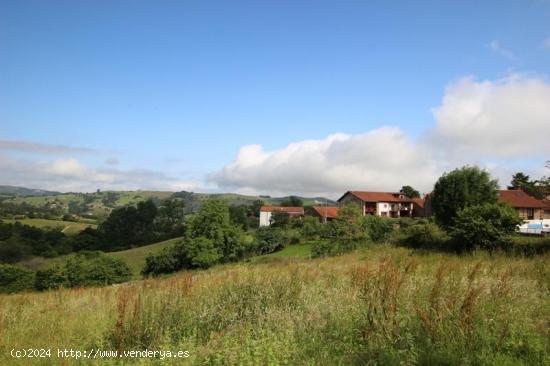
(67, 227)
(380, 305)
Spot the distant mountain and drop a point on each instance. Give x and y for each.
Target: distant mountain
(22, 191)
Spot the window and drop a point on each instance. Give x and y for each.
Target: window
(530, 213)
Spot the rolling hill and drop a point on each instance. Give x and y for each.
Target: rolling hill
(100, 204)
(22, 191)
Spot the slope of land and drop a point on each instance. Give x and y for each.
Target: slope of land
(383, 305)
(22, 191)
(67, 227)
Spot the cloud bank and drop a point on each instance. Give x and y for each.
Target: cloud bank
(497, 124)
(71, 175)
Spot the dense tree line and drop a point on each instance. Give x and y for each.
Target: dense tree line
(83, 270)
(126, 227)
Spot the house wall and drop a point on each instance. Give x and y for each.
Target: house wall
(349, 198)
(538, 213)
(265, 218)
(383, 209)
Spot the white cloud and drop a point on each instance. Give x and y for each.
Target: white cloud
(72, 175)
(497, 48)
(508, 118)
(546, 44)
(498, 125)
(330, 166)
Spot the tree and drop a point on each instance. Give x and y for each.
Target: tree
(255, 207)
(484, 226)
(410, 192)
(522, 181)
(461, 188)
(280, 219)
(292, 201)
(127, 226)
(213, 222)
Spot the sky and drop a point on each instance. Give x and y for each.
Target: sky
(271, 97)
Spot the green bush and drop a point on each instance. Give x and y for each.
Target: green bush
(15, 279)
(425, 235)
(484, 226)
(270, 239)
(311, 227)
(95, 269)
(202, 252)
(346, 233)
(51, 278)
(164, 262)
(379, 228)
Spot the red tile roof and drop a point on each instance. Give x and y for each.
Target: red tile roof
(290, 210)
(520, 199)
(378, 196)
(419, 201)
(328, 212)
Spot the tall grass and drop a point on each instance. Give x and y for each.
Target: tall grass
(382, 306)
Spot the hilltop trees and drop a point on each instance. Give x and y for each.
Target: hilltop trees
(463, 187)
(292, 201)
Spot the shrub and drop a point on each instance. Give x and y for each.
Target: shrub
(164, 262)
(484, 226)
(426, 235)
(51, 278)
(95, 269)
(197, 252)
(270, 239)
(347, 232)
(379, 228)
(14, 279)
(324, 248)
(311, 227)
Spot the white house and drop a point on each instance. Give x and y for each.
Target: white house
(267, 211)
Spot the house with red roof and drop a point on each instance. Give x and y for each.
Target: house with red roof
(325, 213)
(389, 204)
(266, 213)
(528, 208)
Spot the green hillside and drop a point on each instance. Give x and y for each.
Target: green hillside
(67, 227)
(100, 204)
(135, 258)
(22, 191)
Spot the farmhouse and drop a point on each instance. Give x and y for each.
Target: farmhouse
(267, 211)
(325, 213)
(528, 208)
(388, 204)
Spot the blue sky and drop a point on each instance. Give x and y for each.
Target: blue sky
(176, 88)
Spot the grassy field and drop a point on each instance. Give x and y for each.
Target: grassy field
(135, 258)
(67, 227)
(383, 305)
